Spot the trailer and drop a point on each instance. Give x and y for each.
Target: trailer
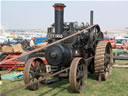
(17, 64)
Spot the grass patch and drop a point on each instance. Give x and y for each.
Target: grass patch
(124, 62)
(116, 86)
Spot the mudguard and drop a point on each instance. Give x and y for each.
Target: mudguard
(25, 58)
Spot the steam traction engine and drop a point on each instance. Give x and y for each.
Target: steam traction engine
(83, 53)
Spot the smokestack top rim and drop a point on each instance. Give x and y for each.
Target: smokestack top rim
(59, 6)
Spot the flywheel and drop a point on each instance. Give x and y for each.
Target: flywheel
(103, 60)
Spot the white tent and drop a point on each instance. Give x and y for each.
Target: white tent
(119, 37)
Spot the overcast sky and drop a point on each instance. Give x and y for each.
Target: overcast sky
(40, 14)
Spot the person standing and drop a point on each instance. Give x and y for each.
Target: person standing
(32, 44)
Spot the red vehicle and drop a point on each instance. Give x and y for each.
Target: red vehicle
(18, 64)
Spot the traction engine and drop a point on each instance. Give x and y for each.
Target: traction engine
(83, 53)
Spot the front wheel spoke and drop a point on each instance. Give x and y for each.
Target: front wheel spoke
(81, 67)
(78, 70)
(35, 67)
(32, 68)
(82, 72)
(80, 84)
(78, 76)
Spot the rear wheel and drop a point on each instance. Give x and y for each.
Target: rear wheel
(103, 60)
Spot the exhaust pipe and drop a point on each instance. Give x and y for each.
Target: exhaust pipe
(91, 17)
(59, 17)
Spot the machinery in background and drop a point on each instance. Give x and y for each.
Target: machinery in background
(39, 40)
(120, 54)
(117, 43)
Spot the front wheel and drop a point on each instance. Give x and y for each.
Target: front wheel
(78, 75)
